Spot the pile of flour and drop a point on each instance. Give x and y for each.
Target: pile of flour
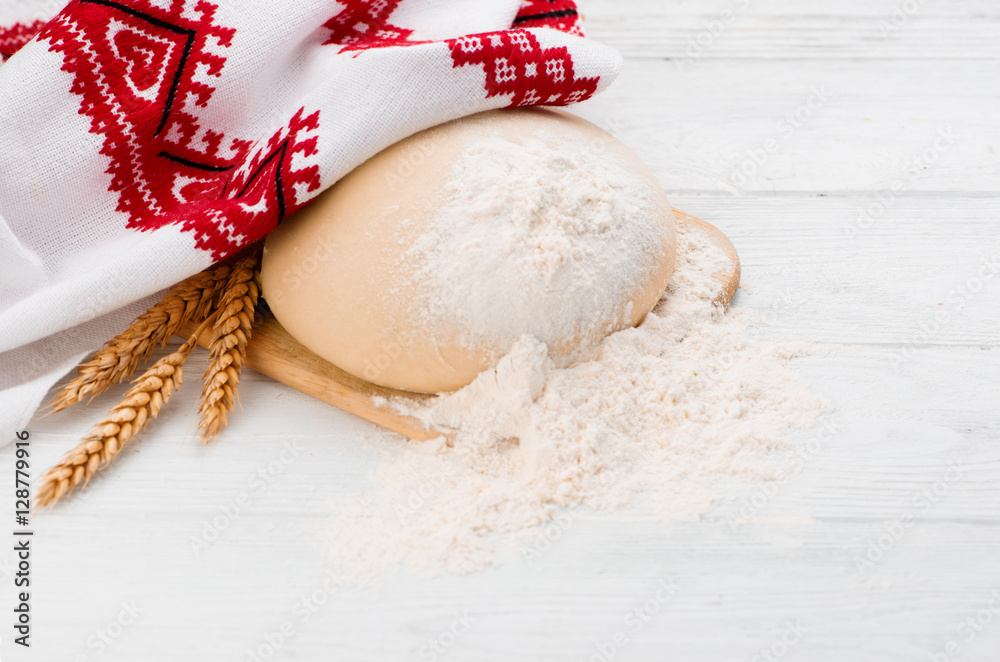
(660, 412)
(528, 237)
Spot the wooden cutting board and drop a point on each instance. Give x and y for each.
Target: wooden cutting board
(276, 354)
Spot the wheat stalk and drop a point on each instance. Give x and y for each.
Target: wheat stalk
(231, 333)
(189, 300)
(141, 404)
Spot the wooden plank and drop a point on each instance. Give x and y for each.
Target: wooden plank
(923, 271)
(892, 437)
(744, 127)
(687, 32)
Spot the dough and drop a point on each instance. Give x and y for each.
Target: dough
(423, 266)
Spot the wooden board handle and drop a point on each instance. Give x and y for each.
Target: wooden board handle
(273, 352)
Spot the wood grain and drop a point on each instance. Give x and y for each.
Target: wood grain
(273, 352)
(680, 30)
(697, 127)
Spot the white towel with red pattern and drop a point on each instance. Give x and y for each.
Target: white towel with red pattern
(143, 140)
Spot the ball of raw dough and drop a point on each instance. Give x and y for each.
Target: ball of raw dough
(423, 266)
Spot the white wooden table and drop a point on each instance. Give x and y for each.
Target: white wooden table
(782, 128)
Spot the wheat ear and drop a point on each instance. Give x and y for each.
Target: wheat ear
(230, 335)
(191, 300)
(140, 405)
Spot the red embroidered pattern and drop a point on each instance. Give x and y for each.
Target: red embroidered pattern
(141, 72)
(263, 189)
(364, 24)
(513, 60)
(134, 66)
(14, 37)
(557, 14)
(516, 64)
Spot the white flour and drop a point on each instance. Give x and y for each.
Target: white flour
(519, 223)
(662, 411)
